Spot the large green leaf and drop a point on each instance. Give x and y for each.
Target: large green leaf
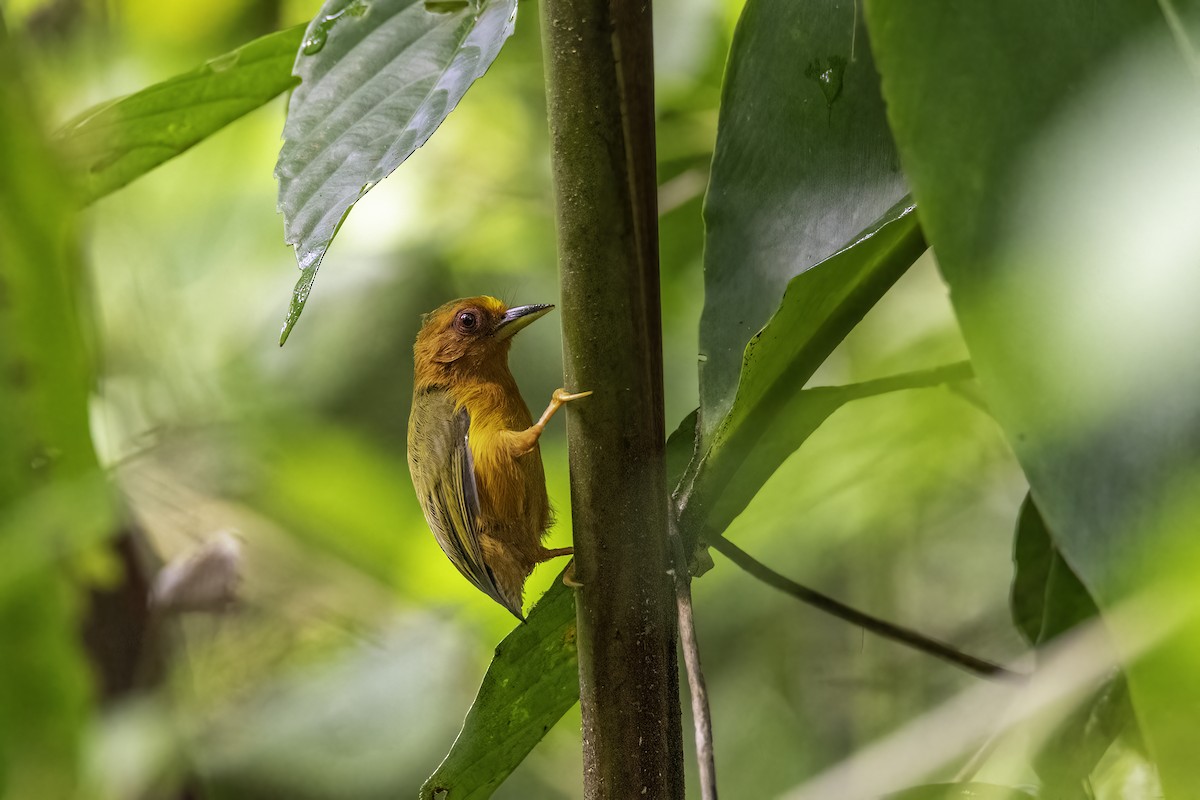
(377, 78)
(803, 162)
(1052, 150)
(45, 453)
(531, 683)
(113, 143)
(770, 416)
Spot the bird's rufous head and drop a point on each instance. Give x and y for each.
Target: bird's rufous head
(471, 333)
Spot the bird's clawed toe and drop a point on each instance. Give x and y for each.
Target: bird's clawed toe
(568, 577)
(563, 396)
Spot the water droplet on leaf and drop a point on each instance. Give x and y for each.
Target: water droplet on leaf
(41, 458)
(320, 33)
(106, 161)
(315, 41)
(225, 62)
(828, 77)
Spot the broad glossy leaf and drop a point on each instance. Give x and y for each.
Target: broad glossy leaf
(45, 451)
(116, 142)
(377, 78)
(961, 791)
(771, 416)
(1052, 150)
(803, 162)
(531, 683)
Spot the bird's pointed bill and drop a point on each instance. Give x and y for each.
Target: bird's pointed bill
(517, 318)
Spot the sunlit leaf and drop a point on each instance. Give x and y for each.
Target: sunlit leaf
(531, 683)
(45, 450)
(1057, 175)
(771, 416)
(803, 162)
(116, 142)
(961, 791)
(377, 78)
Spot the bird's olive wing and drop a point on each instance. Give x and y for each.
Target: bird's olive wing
(443, 473)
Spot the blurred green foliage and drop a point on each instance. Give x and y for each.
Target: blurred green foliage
(53, 502)
(358, 649)
(1057, 229)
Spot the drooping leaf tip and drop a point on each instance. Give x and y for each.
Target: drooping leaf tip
(299, 299)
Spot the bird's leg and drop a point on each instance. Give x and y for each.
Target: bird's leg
(522, 442)
(569, 572)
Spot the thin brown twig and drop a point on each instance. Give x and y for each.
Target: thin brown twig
(896, 633)
(701, 716)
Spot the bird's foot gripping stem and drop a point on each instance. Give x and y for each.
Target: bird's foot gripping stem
(568, 577)
(557, 400)
(523, 441)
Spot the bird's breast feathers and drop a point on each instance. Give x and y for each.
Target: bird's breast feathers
(512, 488)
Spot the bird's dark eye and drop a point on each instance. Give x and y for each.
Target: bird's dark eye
(467, 321)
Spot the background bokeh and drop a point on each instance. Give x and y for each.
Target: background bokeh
(356, 652)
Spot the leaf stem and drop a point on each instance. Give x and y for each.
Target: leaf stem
(896, 633)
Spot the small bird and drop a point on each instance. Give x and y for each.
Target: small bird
(473, 446)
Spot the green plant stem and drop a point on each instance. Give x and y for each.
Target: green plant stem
(896, 633)
(599, 82)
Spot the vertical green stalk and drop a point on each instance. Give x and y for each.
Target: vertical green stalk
(599, 79)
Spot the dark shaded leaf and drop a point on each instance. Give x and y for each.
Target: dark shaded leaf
(531, 683)
(377, 78)
(681, 446)
(1047, 598)
(1033, 555)
(804, 161)
(116, 142)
